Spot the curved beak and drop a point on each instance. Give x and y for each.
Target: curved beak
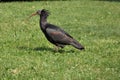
(33, 15)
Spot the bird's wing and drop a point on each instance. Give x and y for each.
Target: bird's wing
(58, 35)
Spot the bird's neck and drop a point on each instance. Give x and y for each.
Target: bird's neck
(43, 22)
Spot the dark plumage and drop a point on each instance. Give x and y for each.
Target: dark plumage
(54, 34)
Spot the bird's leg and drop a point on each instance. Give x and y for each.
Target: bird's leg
(56, 48)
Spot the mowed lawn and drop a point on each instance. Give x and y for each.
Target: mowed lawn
(25, 54)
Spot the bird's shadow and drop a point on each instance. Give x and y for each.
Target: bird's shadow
(41, 49)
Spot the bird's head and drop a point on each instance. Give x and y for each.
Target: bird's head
(42, 12)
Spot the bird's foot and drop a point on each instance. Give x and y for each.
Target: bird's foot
(56, 48)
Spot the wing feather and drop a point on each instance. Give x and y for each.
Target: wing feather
(58, 35)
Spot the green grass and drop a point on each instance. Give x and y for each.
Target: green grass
(25, 54)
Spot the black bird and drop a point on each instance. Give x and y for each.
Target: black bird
(54, 34)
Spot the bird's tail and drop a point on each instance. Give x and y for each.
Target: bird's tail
(77, 45)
